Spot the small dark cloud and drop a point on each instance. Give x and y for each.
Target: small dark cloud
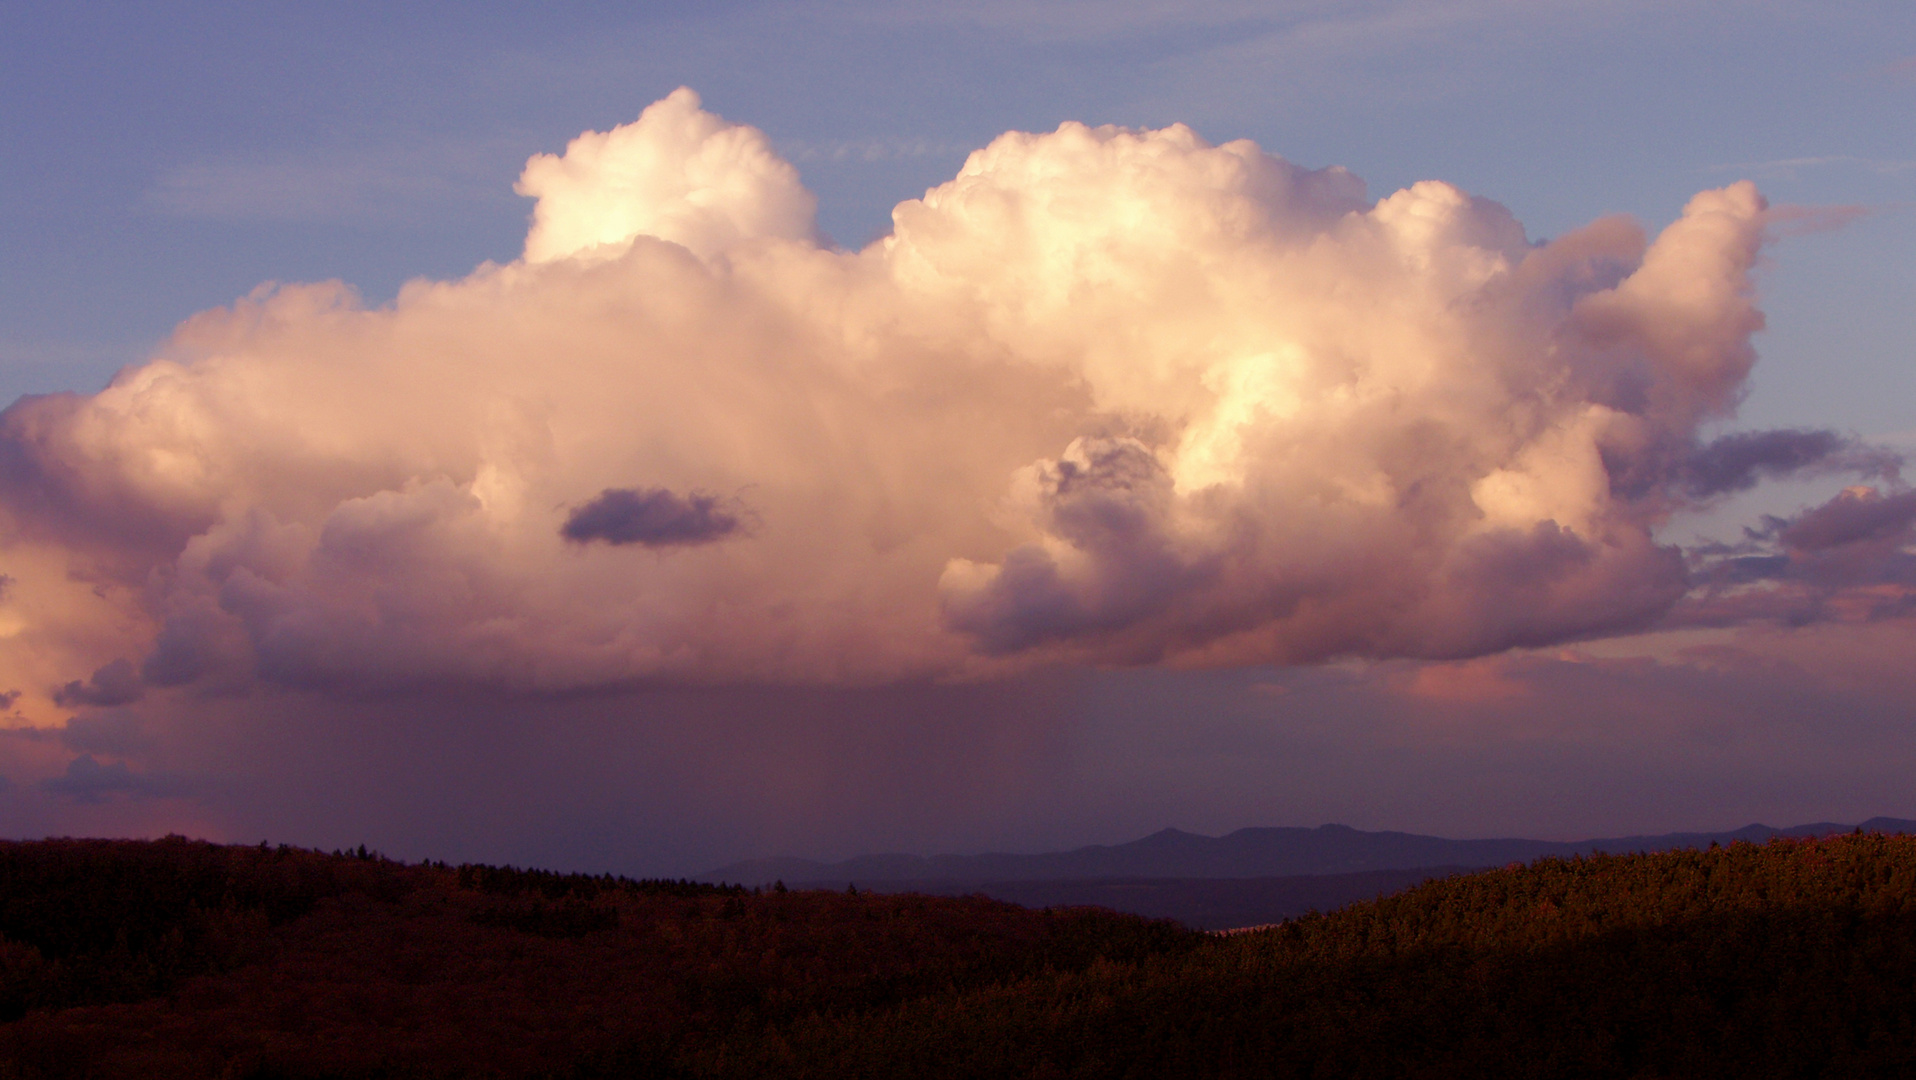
(1737, 462)
(654, 517)
(90, 781)
(1856, 516)
(8, 698)
(115, 684)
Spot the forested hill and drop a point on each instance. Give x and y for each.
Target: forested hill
(1246, 853)
(1795, 958)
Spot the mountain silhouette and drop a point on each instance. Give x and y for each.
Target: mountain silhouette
(1246, 853)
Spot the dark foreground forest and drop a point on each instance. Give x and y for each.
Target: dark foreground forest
(184, 959)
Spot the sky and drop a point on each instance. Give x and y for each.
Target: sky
(643, 437)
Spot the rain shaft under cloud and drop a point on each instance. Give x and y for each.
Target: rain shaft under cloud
(1107, 396)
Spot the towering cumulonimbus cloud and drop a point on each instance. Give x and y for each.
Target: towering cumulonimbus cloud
(1107, 396)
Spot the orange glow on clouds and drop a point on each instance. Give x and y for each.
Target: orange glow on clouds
(1106, 397)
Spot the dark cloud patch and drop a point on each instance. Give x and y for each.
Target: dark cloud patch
(654, 517)
(116, 683)
(8, 698)
(1556, 586)
(1846, 560)
(1739, 461)
(1027, 602)
(1857, 516)
(185, 650)
(88, 780)
(1111, 499)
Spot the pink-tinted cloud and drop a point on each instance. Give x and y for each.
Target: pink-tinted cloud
(1106, 397)
(1467, 682)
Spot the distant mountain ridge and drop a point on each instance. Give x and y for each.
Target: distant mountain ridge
(1246, 853)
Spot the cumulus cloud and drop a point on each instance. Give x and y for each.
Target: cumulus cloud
(678, 173)
(1107, 396)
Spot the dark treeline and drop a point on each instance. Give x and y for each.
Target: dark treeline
(89, 922)
(184, 959)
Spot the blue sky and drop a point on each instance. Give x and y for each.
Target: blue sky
(165, 159)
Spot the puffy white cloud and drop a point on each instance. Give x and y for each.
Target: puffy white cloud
(678, 173)
(1107, 396)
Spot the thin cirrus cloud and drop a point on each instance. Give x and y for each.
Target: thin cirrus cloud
(339, 186)
(1108, 396)
(1790, 167)
(1320, 24)
(868, 149)
(1903, 70)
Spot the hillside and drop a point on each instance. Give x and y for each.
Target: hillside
(183, 959)
(1200, 903)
